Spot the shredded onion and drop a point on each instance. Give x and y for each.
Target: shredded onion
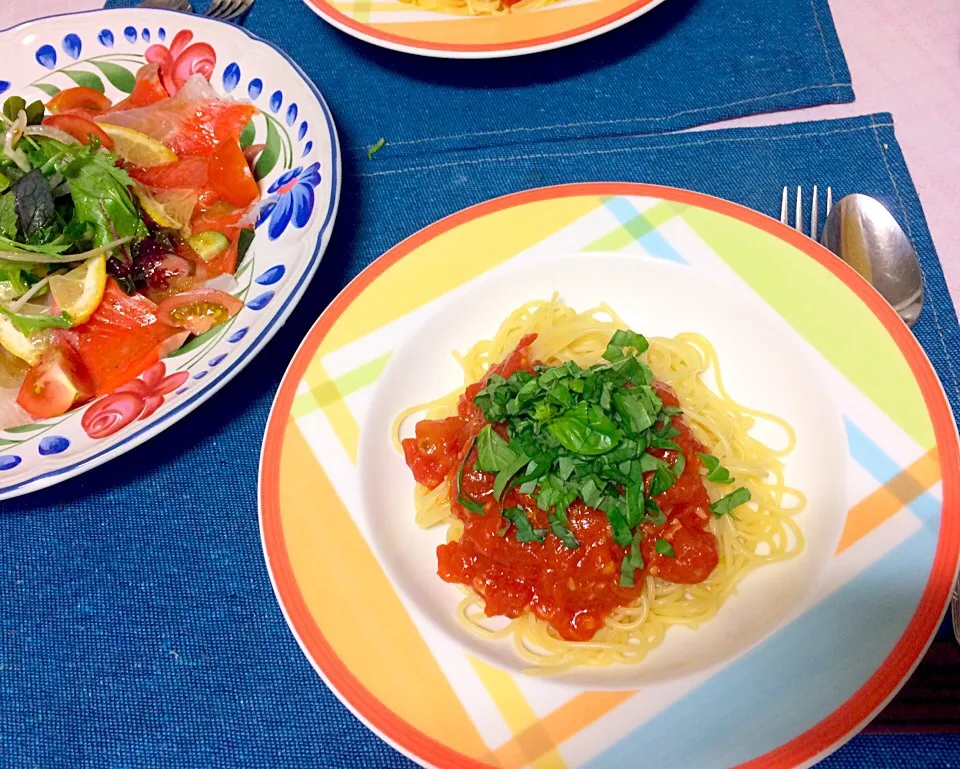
(49, 132)
(21, 256)
(225, 282)
(10, 139)
(28, 295)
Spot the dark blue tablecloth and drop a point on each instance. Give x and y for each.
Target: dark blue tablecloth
(138, 627)
(685, 63)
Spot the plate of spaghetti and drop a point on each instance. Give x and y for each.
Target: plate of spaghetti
(573, 468)
(477, 29)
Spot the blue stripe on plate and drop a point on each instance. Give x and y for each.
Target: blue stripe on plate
(869, 455)
(793, 679)
(653, 242)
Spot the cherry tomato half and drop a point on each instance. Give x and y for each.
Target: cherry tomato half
(198, 310)
(80, 128)
(80, 97)
(57, 383)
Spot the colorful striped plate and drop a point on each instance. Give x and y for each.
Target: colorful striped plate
(402, 26)
(795, 664)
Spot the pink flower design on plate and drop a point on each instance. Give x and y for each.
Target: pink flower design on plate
(181, 60)
(137, 398)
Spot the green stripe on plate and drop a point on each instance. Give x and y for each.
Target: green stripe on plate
(341, 387)
(851, 338)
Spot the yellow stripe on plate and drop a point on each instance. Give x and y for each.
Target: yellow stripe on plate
(346, 593)
(518, 714)
(449, 261)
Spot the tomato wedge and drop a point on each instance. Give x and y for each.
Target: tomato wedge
(122, 338)
(147, 90)
(58, 382)
(80, 128)
(79, 97)
(230, 175)
(198, 310)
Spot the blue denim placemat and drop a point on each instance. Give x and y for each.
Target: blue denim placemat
(138, 627)
(685, 63)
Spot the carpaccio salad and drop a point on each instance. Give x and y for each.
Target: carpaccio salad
(121, 226)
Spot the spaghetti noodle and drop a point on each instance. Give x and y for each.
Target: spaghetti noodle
(761, 531)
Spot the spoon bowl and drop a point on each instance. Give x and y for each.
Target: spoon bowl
(862, 232)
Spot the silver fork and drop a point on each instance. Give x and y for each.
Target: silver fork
(798, 208)
(224, 10)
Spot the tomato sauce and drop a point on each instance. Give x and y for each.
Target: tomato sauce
(572, 589)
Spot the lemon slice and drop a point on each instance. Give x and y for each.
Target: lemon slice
(137, 148)
(79, 291)
(13, 340)
(171, 209)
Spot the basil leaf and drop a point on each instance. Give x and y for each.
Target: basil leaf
(653, 513)
(726, 505)
(566, 466)
(716, 473)
(621, 340)
(468, 504)
(649, 463)
(525, 531)
(634, 411)
(632, 561)
(503, 532)
(502, 481)
(662, 480)
(493, 453)
(618, 525)
(565, 535)
(34, 112)
(590, 493)
(34, 203)
(635, 504)
(680, 465)
(664, 548)
(585, 430)
(12, 107)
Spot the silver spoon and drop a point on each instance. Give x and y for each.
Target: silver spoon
(863, 233)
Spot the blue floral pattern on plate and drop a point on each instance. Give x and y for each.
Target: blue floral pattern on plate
(291, 200)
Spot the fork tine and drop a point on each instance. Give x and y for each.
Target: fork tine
(798, 213)
(783, 207)
(829, 200)
(813, 214)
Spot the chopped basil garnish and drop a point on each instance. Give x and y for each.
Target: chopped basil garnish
(566, 536)
(565, 433)
(716, 473)
(726, 505)
(664, 548)
(632, 561)
(525, 531)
